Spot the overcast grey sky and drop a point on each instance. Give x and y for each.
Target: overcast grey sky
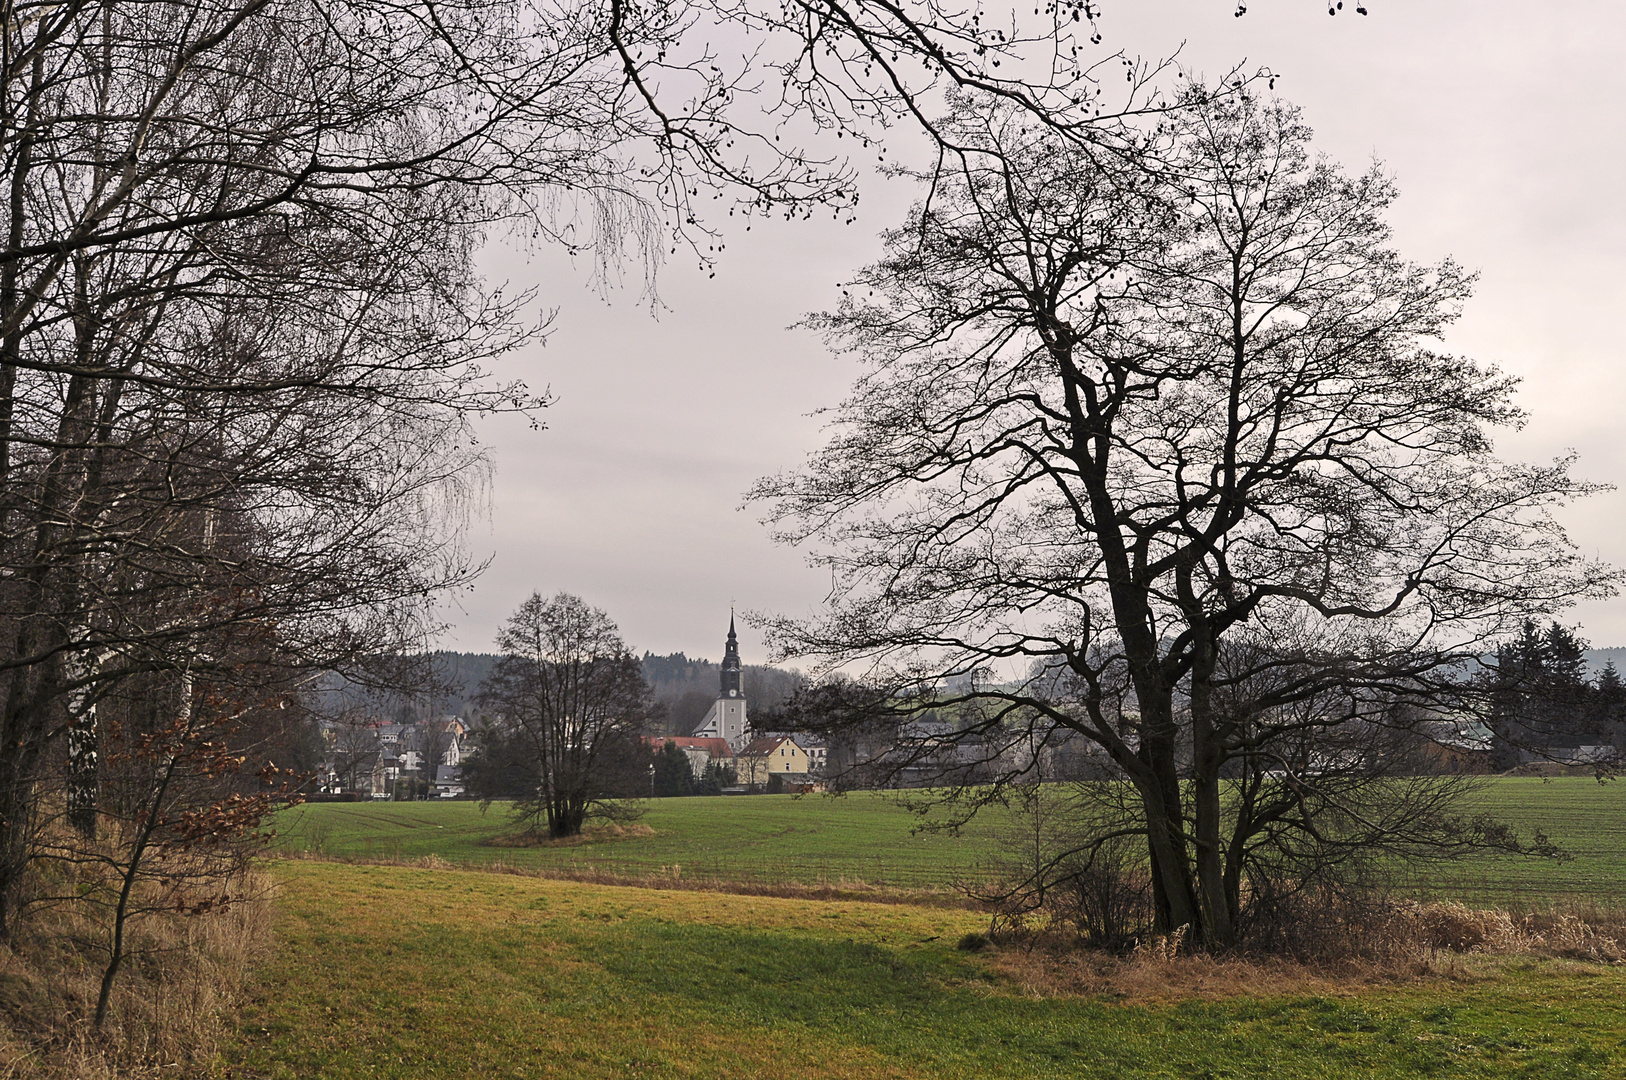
(1502, 122)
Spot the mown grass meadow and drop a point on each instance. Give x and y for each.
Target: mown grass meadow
(469, 964)
(863, 836)
(389, 971)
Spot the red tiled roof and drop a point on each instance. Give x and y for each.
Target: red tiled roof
(764, 746)
(717, 748)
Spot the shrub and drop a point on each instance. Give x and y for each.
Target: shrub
(972, 942)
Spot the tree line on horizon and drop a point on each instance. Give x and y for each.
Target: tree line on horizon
(685, 686)
(1544, 700)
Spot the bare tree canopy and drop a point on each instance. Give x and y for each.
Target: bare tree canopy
(1157, 452)
(243, 338)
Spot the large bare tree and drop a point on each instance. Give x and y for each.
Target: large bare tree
(241, 333)
(1157, 451)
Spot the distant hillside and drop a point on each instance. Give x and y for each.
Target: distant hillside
(460, 674)
(687, 687)
(1597, 658)
(405, 689)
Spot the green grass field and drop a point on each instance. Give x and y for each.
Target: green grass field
(1585, 818)
(866, 837)
(406, 971)
(757, 838)
(400, 972)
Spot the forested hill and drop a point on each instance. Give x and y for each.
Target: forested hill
(686, 686)
(1597, 658)
(460, 674)
(1594, 659)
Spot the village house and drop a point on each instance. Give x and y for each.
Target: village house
(383, 758)
(773, 755)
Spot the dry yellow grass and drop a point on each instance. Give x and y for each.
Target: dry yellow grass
(1147, 978)
(590, 834)
(1453, 927)
(171, 1003)
(1408, 943)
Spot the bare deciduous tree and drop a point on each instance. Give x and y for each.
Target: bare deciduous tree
(236, 293)
(432, 738)
(353, 747)
(1156, 450)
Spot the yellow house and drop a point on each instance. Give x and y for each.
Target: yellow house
(777, 755)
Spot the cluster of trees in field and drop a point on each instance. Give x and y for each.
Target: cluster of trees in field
(361, 739)
(1543, 705)
(567, 706)
(567, 712)
(674, 777)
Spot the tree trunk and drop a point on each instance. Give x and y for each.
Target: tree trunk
(1160, 797)
(1219, 925)
(1219, 922)
(23, 735)
(147, 823)
(16, 828)
(84, 763)
(83, 773)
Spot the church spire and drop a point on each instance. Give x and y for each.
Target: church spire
(729, 677)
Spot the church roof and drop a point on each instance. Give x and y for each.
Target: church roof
(728, 674)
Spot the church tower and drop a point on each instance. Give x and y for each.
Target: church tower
(727, 719)
(730, 675)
